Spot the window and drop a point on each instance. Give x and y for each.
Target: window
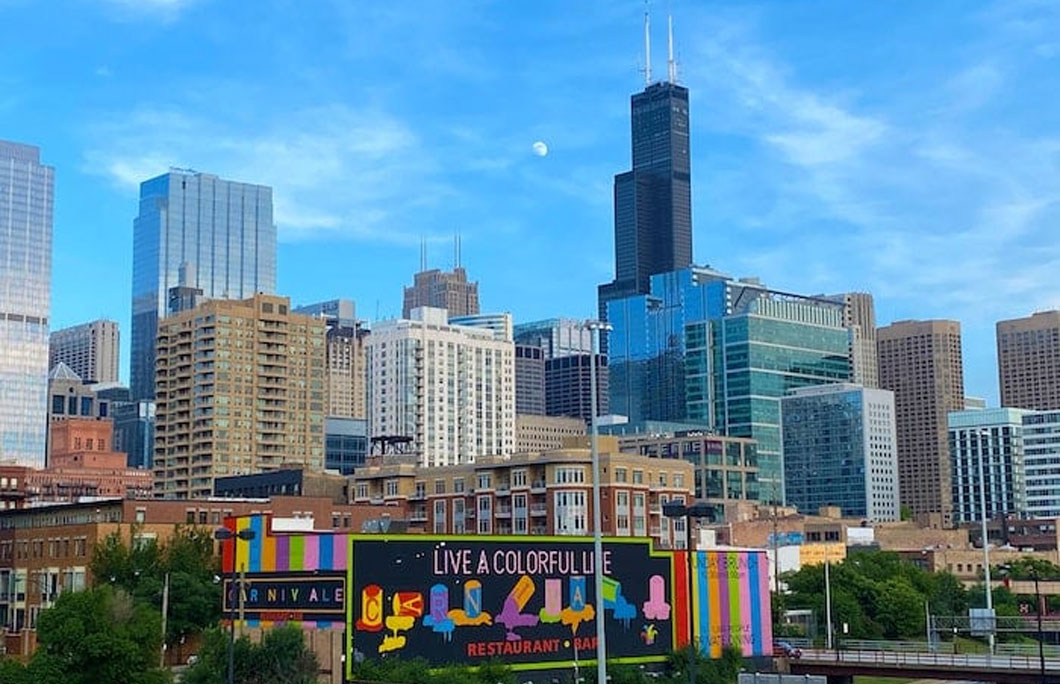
(639, 526)
(391, 487)
(570, 512)
(485, 514)
(362, 490)
(86, 406)
(620, 474)
(458, 516)
(189, 517)
(485, 481)
(569, 475)
(638, 477)
(421, 490)
(58, 403)
(679, 481)
(439, 486)
(519, 478)
(140, 515)
(662, 479)
(439, 516)
(458, 485)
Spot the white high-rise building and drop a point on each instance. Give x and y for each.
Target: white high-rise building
(994, 436)
(1041, 453)
(91, 350)
(451, 388)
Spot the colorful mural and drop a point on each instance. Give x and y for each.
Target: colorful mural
(528, 600)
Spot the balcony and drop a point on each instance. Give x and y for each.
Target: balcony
(537, 487)
(418, 516)
(504, 511)
(538, 509)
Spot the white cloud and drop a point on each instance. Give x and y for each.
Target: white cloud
(917, 196)
(333, 169)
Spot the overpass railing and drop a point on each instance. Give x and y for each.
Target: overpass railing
(969, 661)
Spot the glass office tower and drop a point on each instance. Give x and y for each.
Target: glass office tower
(221, 233)
(646, 347)
(26, 195)
(739, 366)
(841, 449)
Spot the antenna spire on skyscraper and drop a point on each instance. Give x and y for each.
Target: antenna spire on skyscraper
(671, 65)
(647, 45)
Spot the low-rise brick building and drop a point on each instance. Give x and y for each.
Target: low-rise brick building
(46, 550)
(548, 493)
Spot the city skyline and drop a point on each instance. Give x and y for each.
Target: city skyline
(789, 144)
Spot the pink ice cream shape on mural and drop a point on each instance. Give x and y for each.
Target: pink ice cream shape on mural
(656, 607)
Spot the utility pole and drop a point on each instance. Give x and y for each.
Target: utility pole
(828, 600)
(165, 617)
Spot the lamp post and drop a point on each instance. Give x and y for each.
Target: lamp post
(598, 542)
(1038, 610)
(690, 512)
(1041, 637)
(225, 534)
(986, 544)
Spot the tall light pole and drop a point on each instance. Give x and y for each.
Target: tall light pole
(980, 434)
(1041, 637)
(165, 619)
(224, 534)
(598, 542)
(690, 512)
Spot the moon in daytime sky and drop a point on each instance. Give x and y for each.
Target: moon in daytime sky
(540, 148)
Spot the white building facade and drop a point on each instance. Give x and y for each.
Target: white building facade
(451, 388)
(1041, 444)
(995, 437)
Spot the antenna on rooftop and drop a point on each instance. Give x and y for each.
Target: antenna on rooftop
(647, 45)
(423, 254)
(670, 63)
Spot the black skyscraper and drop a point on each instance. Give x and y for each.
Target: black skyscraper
(653, 201)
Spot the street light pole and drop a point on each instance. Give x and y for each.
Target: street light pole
(224, 534)
(986, 545)
(598, 543)
(828, 600)
(165, 618)
(1041, 637)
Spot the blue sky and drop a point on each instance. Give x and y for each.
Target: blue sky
(910, 149)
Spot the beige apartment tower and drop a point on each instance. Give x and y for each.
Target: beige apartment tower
(1028, 360)
(859, 316)
(920, 361)
(91, 350)
(240, 389)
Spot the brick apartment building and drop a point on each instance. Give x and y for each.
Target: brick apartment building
(547, 493)
(46, 550)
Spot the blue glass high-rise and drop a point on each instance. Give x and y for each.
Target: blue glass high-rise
(26, 197)
(221, 231)
(646, 346)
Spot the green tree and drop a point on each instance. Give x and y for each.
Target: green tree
(13, 672)
(1027, 567)
(141, 567)
(98, 635)
(877, 595)
(281, 658)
